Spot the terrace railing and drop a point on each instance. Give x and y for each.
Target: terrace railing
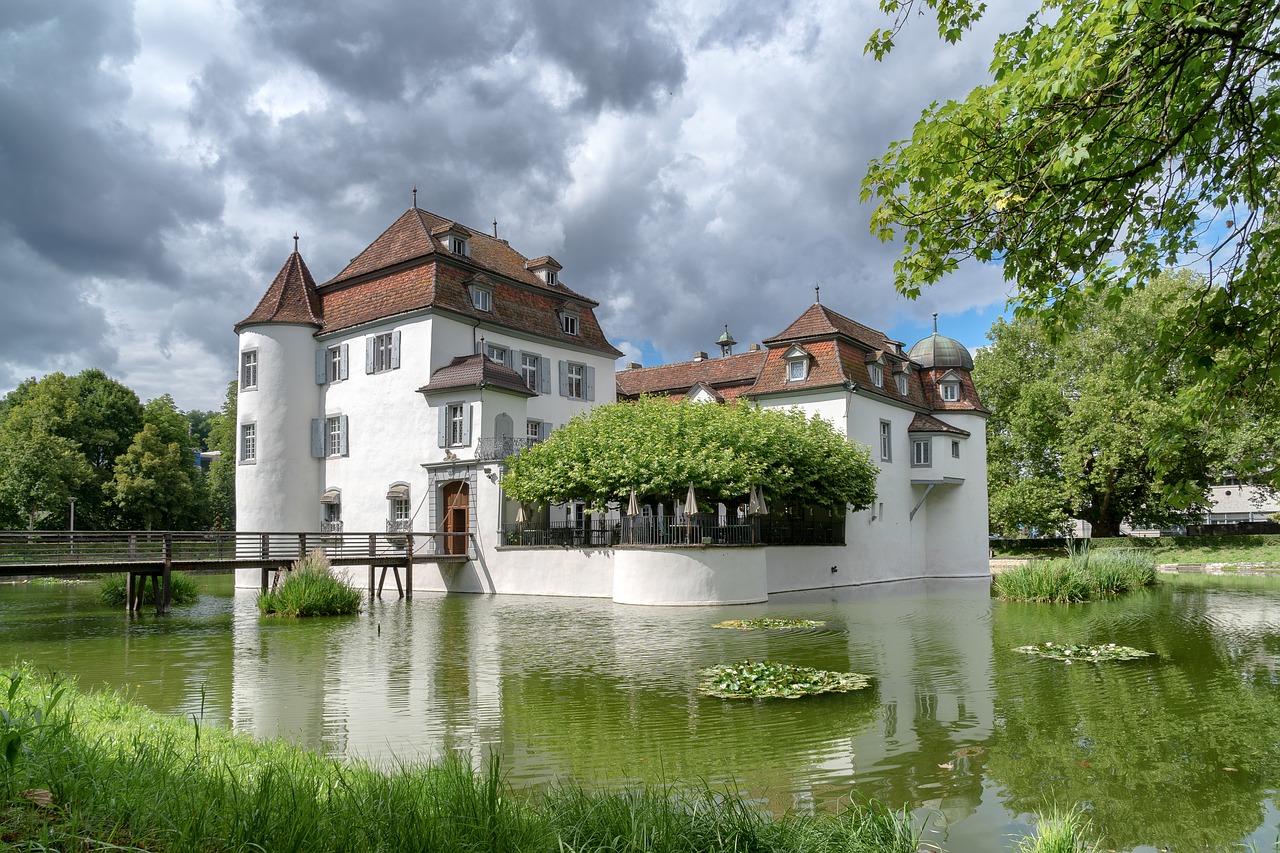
(667, 531)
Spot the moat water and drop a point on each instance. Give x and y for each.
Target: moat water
(1179, 751)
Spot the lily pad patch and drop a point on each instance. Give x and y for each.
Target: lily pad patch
(772, 680)
(767, 623)
(1077, 652)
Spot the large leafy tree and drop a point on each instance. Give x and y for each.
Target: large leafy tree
(153, 482)
(221, 482)
(1116, 137)
(659, 448)
(1088, 424)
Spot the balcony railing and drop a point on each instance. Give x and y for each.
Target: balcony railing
(331, 527)
(643, 530)
(497, 449)
(399, 525)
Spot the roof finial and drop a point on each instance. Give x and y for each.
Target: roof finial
(935, 322)
(415, 196)
(295, 242)
(495, 229)
(817, 295)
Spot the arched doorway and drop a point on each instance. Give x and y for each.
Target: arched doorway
(457, 511)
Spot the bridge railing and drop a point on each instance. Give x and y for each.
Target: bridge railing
(106, 547)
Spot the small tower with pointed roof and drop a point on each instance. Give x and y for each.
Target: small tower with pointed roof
(726, 343)
(276, 477)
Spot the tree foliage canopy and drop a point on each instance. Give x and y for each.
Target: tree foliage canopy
(1090, 426)
(1117, 137)
(659, 448)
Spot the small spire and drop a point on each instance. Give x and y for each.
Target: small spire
(295, 242)
(935, 322)
(817, 295)
(495, 229)
(415, 196)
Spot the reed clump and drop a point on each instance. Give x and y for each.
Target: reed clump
(113, 591)
(1058, 832)
(309, 588)
(118, 776)
(1080, 576)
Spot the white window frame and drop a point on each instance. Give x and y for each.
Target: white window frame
(249, 370)
(922, 453)
(382, 347)
(902, 384)
(886, 441)
(331, 512)
(334, 364)
(496, 352)
(877, 375)
(575, 381)
(458, 245)
(481, 298)
(797, 369)
(333, 435)
(570, 323)
(400, 509)
(551, 278)
(529, 370)
(455, 421)
(949, 392)
(955, 448)
(533, 430)
(249, 443)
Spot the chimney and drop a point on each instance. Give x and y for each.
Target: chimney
(753, 348)
(633, 365)
(699, 356)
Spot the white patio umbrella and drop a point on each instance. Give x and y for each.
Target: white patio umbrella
(633, 505)
(691, 502)
(756, 504)
(520, 517)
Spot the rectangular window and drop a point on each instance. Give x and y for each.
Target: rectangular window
(248, 442)
(950, 391)
(533, 431)
(333, 433)
(551, 277)
(877, 375)
(886, 441)
(575, 382)
(921, 453)
(249, 370)
(382, 346)
(569, 323)
(955, 449)
(332, 513)
(481, 299)
(529, 370)
(400, 509)
(796, 370)
(336, 373)
(902, 384)
(457, 245)
(496, 353)
(455, 419)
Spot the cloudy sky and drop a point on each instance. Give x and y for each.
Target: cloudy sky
(691, 163)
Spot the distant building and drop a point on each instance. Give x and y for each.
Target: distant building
(387, 398)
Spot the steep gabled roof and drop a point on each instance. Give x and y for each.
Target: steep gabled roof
(291, 298)
(821, 322)
(476, 371)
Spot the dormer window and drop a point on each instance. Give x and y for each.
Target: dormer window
(569, 322)
(454, 237)
(458, 246)
(877, 375)
(546, 268)
(902, 384)
(797, 369)
(550, 277)
(481, 298)
(949, 391)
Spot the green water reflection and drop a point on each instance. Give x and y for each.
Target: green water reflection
(1179, 750)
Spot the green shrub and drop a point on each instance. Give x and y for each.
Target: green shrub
(1058, 832)
(112, 589)
(309, 588)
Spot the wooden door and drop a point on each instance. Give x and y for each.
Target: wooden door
(457, 512)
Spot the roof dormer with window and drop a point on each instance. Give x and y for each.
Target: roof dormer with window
(456, 238)
(949, 387)
(546, 268)
(875, 367)
(797, 359)
(480, 290)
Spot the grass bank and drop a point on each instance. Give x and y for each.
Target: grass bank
(1082, 576)
(1164, 549)
(93, 771)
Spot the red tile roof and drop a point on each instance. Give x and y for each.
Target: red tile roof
(969, 400)
(928, 423)
(291, 298)
(819, 321)
(476, 371)
(729, 376)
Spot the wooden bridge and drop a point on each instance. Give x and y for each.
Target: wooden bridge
(153, 555)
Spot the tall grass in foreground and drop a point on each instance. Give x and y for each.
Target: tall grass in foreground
(310, 589)
(1082, 576)
(122, 777)
(1057, 832)
(112, 589)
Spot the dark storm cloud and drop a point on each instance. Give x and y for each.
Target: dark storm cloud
(745, 22)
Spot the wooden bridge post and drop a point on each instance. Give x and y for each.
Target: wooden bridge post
(408, 564)
(166, 587)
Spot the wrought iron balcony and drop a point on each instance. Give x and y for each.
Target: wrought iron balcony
(331, 527)
(399, 525)
(497, 449)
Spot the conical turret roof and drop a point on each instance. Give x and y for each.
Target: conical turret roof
(291, 298)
